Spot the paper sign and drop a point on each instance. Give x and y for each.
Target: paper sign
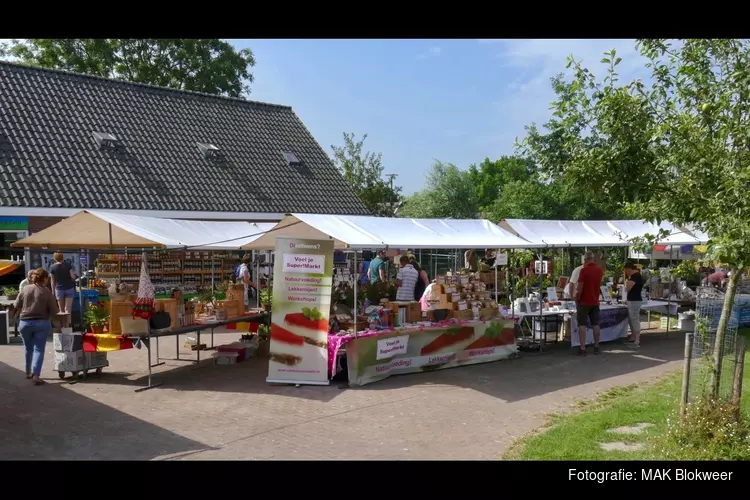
(304, 263)
(501, 259)
(393, 346)
(551, 293)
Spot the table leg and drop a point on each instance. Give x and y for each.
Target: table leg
(149, 385)
(157, 349)
(212, 337)
(199, 347)
(177, 345)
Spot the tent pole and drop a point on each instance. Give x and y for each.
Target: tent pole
(669, 296)
(356, 308)
(512, 291)
(256, 259)
(212, 271)
(81, 306)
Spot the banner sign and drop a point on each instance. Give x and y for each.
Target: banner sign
(300, 305)
(375, 358)
(14, 224)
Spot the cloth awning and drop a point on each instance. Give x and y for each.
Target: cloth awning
(615, 233)
(378, 232)
(103, 229)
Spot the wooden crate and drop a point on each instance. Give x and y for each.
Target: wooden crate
(233, 294)
(118, 310)
(168, 306)
(234, 308)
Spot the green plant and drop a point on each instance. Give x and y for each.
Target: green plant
(685, 270)
(710, 430)
(264, 333)
(95, 314)
(223, 286)
(205, 296)
(266, 295)
(10, 291)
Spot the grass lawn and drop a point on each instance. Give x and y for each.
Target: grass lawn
(577, 436)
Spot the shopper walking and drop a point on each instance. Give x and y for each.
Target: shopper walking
(64, 284)
(35, 306)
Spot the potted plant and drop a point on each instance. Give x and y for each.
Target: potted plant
(10, 292)
(96, 317)
(206, 300)
(266, 294)
(264, 335)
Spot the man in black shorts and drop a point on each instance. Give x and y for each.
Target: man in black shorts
(587, 301)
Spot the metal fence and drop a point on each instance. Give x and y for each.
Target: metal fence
(709, 305)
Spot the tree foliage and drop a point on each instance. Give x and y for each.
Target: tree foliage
(449, 193)
(364, 173)
(206, 65)
(675, 149)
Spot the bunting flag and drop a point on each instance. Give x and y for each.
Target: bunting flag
(700, 248)
(105, 342)
(660, 248)
(687, 248)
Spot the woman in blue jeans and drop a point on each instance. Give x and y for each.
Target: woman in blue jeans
(35, 306)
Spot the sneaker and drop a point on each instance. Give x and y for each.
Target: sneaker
(633, 345)
(596, 349)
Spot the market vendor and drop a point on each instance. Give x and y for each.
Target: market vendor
(376, 270)
(489, 258)
(244, 277)
(406, 280)
(570, 289)
(470, 260)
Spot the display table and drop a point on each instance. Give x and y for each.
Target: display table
(377, 354)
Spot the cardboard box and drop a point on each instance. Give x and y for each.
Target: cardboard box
(414, 313)
(444, 303)
(67, 342)
(69, 361)
(462, 315)
(436, 292)
(488, 312)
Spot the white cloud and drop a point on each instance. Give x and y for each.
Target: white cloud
(434, 51)
(533, 63)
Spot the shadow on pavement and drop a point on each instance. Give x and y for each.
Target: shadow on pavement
(510, 380)
(52, 422)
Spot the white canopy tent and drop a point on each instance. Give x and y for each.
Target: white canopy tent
(103, 229)
(616, 233)
(360, 232)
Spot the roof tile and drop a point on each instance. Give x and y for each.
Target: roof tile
(47, 121)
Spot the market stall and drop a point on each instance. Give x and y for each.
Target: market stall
(461, 297)
(106, 230)
(569, 234)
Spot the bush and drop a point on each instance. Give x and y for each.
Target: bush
(709, 431)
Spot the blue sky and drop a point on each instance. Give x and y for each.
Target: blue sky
(458, 101)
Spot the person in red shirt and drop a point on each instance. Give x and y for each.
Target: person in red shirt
(587, 301)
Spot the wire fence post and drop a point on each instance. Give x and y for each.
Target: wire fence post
(739, 370)
(689, 339)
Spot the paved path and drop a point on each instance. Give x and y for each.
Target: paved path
(230, 412)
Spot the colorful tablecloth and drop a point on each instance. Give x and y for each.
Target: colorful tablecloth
(106, 342)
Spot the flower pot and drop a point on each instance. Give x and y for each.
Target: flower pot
(97, 328)
(12, 297)
(264, 348)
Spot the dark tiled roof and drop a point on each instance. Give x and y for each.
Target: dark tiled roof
(50, 159)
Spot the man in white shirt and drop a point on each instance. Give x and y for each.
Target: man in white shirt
(406, 280)
(25, 282)
(570, 290)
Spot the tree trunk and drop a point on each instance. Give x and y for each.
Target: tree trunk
(726, 313)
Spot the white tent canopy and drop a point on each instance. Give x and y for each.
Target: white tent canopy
(104, 229)
(615, 233)
(378, 232)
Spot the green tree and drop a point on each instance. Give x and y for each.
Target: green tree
(364, 173)
(206, 65)
(676, 149)
(489, 177)
(449, 192)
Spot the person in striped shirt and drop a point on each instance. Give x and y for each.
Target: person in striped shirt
(406, 280)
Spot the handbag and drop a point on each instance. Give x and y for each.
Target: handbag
(161, 321)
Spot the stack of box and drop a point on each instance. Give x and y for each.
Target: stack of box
(68, 351)
(242, 349)
(459, 293)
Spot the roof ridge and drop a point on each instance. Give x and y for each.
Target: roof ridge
(67, 73)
